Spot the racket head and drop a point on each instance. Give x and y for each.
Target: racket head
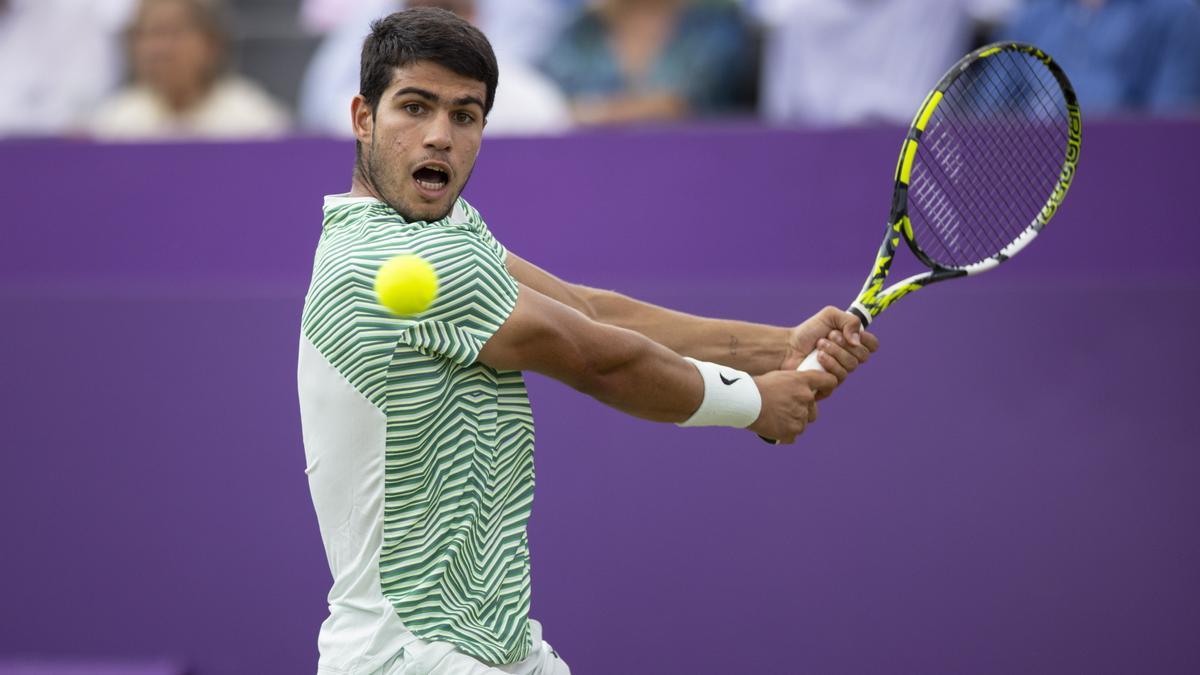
(988, 159)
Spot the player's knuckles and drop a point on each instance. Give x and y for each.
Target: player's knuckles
(795, 429)
(800, 428)
(845, 360)
(836, 368)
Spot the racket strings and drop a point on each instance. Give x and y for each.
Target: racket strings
(1013, 183)
(989, 239)
(988, 160)
(946, 218)
(988, 245)
(1055, 118)
(941, 214)
(950, 231)
(942, 226)
(1024, 91)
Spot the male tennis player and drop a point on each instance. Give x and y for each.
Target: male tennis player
(418, 431)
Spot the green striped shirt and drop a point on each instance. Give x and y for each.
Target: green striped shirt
(457, 463)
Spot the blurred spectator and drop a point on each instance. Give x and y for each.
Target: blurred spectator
(182, 89)
(518, 29)
(58, 59)
(849, 61)
(524, 29)
(526, 102)
(324, 16)
(649, 60)
(1121, 55)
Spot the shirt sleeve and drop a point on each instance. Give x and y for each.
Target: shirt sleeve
(476, 295)
(479, 227)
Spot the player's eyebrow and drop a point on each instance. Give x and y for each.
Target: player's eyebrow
(434, 98)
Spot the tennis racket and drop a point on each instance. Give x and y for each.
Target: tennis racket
(984, 167)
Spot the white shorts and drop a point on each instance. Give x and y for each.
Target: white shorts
(441, 658)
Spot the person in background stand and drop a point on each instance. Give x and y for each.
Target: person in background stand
(837, 62)
(624, 61)
(182, 88)
(58, 60)
(1122, 55)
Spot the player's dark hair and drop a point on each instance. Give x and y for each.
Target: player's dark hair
(425, 34)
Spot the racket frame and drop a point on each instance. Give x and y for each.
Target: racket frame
(874, 298)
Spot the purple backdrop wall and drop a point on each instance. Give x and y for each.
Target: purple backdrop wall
(1033, 510)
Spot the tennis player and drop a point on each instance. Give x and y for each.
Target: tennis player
(417, 430)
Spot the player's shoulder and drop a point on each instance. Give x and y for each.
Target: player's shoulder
(344, 213)
(467, 216)
(365, 228)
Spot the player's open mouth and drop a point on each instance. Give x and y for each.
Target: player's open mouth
(432, 178)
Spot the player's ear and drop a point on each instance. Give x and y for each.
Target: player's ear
(362, 117)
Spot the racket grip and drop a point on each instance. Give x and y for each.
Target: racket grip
(810, 362)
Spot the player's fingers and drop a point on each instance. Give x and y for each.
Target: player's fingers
(860, 352)
(869, 340)
(851, 328)
(804, 389)
(788, 431)
(819, 385)
(832, 316)
(831, 362)
(847, 354)
(800, 423)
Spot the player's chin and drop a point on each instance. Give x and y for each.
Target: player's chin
(424, 211)
(431, 205)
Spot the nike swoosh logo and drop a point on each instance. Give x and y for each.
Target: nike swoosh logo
(728, 381)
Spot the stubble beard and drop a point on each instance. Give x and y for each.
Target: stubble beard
(377, 175)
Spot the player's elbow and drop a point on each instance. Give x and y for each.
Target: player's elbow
(583, 299)
(602, 370)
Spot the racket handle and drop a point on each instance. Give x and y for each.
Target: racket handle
(810, 362)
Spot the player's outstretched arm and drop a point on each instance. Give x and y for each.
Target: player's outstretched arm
(636, 375)
(755, 348)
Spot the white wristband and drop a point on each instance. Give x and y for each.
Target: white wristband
(731, 398)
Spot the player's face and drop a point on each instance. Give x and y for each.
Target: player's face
(421, 143)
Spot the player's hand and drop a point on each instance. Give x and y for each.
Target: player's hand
(842, 341)
(789, 402)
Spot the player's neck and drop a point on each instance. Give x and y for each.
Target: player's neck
(360, 186)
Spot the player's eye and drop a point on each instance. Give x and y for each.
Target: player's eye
(413, 108)
(464, 117)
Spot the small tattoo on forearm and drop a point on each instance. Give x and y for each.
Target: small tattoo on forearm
(733, 345)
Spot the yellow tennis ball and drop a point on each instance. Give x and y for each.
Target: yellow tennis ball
(406, 285)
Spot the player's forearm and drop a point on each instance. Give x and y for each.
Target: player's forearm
(616, 366)
(754, 348)
(635, 375)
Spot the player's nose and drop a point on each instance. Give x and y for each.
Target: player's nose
(437, 133)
